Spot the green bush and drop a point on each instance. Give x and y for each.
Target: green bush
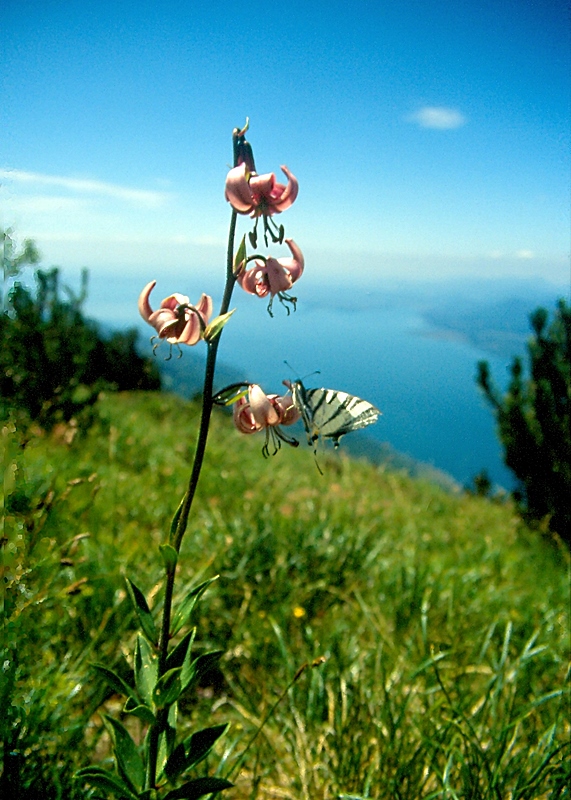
(534, 421)
(53, 361)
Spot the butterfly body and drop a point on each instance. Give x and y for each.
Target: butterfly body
(329, 413)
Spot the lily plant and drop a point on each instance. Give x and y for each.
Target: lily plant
(164, 664)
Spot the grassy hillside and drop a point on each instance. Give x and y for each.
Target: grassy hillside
(438, 625)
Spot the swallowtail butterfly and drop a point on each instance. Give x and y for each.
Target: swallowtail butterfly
(330, 414)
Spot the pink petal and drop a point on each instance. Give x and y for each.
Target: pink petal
(238, 192)
(145, 309)
(278, 278)
(175, 300)
(252, 281)
(297, 263)
(205, 307)
(290, 192)
(262, 410)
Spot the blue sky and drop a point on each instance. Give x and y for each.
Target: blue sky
(430, 139)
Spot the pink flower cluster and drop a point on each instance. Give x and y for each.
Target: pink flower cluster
(180, 322)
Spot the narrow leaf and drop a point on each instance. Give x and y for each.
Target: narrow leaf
(168, 688)
(240, 257)
(175, 519)
(129, 761)
(146, 667)
(214, 328)
(117, 683)
(177, 656)
(193, 750)
(198, 788)
(102, 779)
(143, 611)
(199, 667)
(186, 607)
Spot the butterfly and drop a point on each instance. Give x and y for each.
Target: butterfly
(329, 413)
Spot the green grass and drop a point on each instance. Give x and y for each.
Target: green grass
(438, 624)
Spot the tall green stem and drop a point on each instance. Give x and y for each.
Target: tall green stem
(207, 403)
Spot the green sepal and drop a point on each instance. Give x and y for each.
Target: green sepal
(129, 762)
(214, 328)
(144, 713)
(192, 671)
(177, 656)
(143, 611)
(168, 553)
(240, 258)
(148, 794)
(186, 607)
(146, 669)
(198, 788)
(193, 750)
(102, 779)
(168, 688)
(115, 681)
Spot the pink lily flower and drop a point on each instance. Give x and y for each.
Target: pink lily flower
(275, 275)
(176, 320)
(260, 411)
(259, 195)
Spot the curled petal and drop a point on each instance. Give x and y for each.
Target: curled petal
(145, 309)
(261, 406)
(289, 194)
(238, 192)
(243, 417)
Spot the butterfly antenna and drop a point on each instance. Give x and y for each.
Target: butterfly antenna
(315, 372)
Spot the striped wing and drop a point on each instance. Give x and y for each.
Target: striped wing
(331, 414)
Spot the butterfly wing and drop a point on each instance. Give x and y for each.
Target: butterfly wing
(331, 414)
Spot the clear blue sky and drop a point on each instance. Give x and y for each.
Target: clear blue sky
(429, 138)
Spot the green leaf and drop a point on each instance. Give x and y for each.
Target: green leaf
(169, 554)
(102, 779)
(143, 611)
(175, 519)
(240, 257)
(198, 788)
(116, 683)
(129, 761)
(186, 607)
(214, 328)
(168, 688)
(193, 750)
(143, 712)
(192, 671)
(146, 667)
(177, 656)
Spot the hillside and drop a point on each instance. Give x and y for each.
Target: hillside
(438, 625)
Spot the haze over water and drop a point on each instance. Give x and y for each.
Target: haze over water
(379, 345)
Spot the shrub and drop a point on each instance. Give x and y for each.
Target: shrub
(534, 424)
(53, 361)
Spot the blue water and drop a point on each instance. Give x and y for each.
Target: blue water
(423, 383)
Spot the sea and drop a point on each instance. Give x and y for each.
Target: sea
(411, 351)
